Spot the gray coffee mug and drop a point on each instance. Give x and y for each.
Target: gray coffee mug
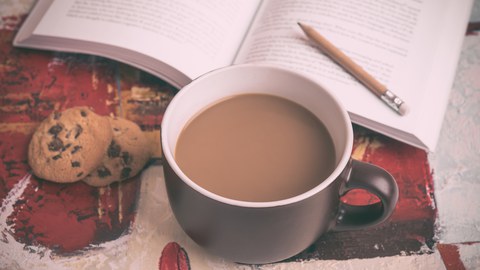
(264, 232)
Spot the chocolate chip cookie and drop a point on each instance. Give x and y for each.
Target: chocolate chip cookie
(68, 145)
(125, 157)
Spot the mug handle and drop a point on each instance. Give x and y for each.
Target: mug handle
(378, 182)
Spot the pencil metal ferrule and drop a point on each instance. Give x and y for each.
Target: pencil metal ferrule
(392, 100)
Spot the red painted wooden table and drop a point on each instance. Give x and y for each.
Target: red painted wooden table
(58, 221)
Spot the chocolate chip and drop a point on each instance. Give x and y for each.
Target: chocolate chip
(54, 130)
(114, 150)
(66, 147)
(57, 157)
(75, 149)
(116, 129)
(103, 172)
(127, 158)
(83, 113)
(125, 172)
(79, 174)
(56, 115)
(78, 130)
(75, 164)
(55, 145)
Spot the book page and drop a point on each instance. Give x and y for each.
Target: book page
(192, 36)
(395, 41)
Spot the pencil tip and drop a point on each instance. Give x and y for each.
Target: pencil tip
(302, 26)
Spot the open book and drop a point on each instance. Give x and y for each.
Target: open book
(412, 46)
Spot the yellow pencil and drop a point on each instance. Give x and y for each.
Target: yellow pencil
(380, 90)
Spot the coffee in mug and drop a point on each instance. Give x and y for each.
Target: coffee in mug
(260, 219)
(256, 147)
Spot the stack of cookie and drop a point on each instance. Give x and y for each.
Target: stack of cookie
(78, 144)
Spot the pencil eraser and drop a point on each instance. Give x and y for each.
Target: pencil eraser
(403, 109)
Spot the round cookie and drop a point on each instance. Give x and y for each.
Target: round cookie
(126, 156)
(68, 145)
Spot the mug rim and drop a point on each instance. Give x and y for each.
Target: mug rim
(168, 153)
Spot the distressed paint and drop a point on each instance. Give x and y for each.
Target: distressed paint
(456, 161)
(451, 256)
(470, 255)
(61, 219)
